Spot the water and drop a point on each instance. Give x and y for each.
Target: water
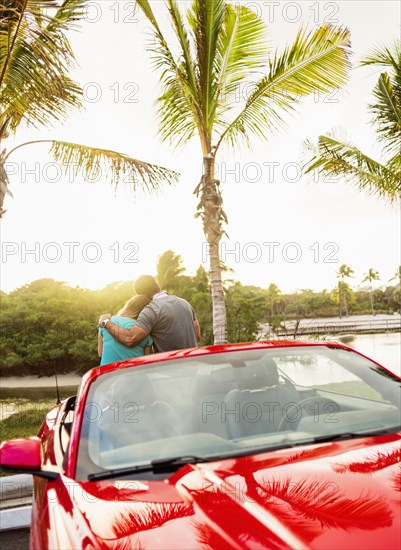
(383, 348)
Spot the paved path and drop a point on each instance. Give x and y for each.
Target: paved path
(40, 381)
(18, 539)
(15, 490)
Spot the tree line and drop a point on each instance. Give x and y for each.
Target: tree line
(48, 326)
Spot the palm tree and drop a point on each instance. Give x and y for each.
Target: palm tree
(219, 47)
(273, 295)
(371, 275)
(36, 90)
(169, 267)
(344, 272)
(397, 291)
(397, 276)
(333, 156)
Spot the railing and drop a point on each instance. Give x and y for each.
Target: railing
(316, 327)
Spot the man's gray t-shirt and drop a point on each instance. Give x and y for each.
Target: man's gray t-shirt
(170, 321)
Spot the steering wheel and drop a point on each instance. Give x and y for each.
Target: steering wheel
(319, 407)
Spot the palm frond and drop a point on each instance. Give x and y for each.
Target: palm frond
(242, 47)
(117, 166)
(178, 116)
(181, 89)
(387, 113)
(384, 56)
(394, 163)
(241, 54)
(387, 93)
(336, 158)
(148, 12)
(178, 79)
(188, 63)
(162, 55)
(206, 20)
(68, 12)
(35, 58)
(316, 61)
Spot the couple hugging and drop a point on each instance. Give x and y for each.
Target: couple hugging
(151, 318)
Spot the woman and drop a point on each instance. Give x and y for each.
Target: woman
(109, 349)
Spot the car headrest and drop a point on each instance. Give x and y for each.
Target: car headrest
(136, 388)
(211, 380)
(259, 375)
(271, 372)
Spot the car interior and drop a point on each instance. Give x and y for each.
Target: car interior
(229, 405)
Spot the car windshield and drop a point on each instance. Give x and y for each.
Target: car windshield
(233, 403)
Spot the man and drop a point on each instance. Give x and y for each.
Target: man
(169, 319)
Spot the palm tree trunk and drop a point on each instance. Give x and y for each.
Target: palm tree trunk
(371, 299)
(345, 304)
(344, 298)
(211, 211)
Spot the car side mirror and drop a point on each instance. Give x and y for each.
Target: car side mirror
(24, 456)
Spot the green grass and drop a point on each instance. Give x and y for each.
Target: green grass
(22, 424)
(29, 407)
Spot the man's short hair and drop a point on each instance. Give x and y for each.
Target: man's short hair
(147, 285)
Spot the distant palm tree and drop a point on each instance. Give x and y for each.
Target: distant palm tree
(273, 296)
(218, 49)
(333, 156)
(397, 291)
(371, 275)
(36, 90)
(344, 272)
(169, 267)
(397, 276)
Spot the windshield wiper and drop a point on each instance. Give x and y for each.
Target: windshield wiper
(171, 464)
(158, 466)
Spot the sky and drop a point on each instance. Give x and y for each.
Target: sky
(283, 228)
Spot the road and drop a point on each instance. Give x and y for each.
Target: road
(17, 539)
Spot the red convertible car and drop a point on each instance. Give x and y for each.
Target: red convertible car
(268, 445)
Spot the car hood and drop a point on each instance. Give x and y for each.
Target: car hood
(333, 495)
